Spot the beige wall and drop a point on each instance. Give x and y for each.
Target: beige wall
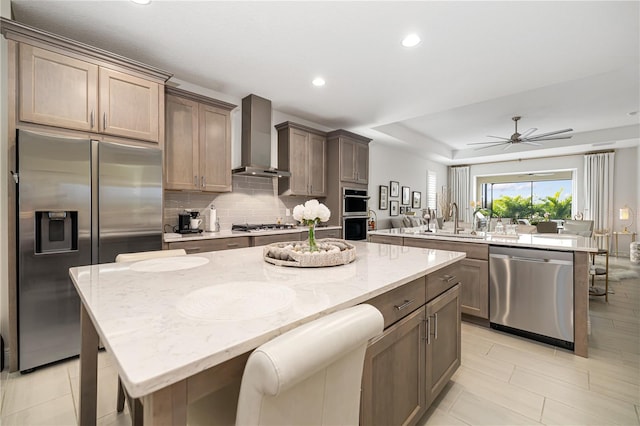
(5, 11)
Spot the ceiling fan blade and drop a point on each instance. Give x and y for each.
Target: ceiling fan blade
(499, 137)
(532, 143)
(484, 143)
(527, 133)
(547, 139)
(489, 146)
(507, 146)
(557, 132)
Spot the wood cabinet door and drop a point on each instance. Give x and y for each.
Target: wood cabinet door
(443, 344)
(317, 169)
(299, 161)
(362, 162)
(474, 292)
(347, 160)
(56, 90)
(181, 144)
(129, 105)
(213, 244)
(215, 149)
(393, 380)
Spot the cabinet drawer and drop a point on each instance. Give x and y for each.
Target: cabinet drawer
(215, 244)
(262, 240)
(401, 301)
(386, 239)
(442, 280)
(473, 250)
(327, 233)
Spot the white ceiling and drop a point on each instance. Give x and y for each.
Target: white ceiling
(557, 64)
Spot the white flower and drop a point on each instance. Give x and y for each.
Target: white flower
(312, 211)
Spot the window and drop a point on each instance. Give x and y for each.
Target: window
(431, 189)
(532, 196)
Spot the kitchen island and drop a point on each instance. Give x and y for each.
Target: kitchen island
(475, 284)
(179, 328)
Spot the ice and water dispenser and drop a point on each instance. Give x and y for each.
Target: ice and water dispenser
(56, 231)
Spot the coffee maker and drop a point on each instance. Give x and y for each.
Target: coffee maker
(184, 219)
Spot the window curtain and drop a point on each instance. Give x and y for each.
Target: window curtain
(460, 188)
(598, 197)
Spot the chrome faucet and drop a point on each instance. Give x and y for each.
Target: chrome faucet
(454, 213)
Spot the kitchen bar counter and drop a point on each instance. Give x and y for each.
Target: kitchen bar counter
(172, 237)
(562, 242)
(168, 320)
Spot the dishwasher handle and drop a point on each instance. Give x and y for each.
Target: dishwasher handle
(531, 259)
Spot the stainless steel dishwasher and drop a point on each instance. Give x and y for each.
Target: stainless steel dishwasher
(531, 293)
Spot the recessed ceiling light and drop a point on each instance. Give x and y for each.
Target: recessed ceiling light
(318, 81)
(141, 1)
(411, 40)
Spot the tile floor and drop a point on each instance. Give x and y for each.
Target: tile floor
(503, 380)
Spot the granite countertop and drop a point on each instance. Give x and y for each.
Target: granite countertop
(172, 237)
(562, 242)
(164, 320)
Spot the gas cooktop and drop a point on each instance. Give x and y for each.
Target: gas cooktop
(261, 227)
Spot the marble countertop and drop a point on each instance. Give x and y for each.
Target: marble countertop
(172, 237)
(164, 320)
(562, 242)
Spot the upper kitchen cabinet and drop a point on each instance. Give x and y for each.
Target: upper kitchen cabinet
(353, 155)
(128, 105)
(303, 152)
(198, 142)
(67, 84)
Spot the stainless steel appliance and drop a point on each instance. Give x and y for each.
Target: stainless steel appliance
(531, 293)
(354, 202)
(248, 227)
(79, 202)
(354, 227)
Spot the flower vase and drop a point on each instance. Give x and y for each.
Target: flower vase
(312, 238)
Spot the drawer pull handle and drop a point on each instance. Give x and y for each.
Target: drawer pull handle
(193, 250)
(404, 305)
(427, 332)
(448, 278)
(435, 325)
(232, 245)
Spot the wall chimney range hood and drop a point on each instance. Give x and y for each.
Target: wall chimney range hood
(256, 139)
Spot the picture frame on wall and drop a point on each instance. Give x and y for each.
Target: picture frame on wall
(416, 202)
(383, 197)
(394, 188)
(393, 205)
(402, 209)
(406, 196)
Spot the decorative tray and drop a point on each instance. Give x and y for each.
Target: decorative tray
(332, 252)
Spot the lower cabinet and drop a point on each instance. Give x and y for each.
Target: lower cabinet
(394, 380)
(443, 341)
(214, 244)
(474, 294)
(410, 363)
(262, 240)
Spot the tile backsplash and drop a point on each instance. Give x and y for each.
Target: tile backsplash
(252, 200)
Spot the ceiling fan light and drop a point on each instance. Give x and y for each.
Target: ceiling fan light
(411, 40)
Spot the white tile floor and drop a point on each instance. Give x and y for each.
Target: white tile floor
(503, 380)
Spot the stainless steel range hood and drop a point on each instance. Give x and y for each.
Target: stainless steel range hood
(256, 139)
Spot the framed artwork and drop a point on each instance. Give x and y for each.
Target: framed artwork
(393, 205)
(417, 202)
(383, 198)
(395, 188)
(406, 192)
(402, 209)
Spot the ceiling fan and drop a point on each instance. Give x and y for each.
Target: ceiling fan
(527, 138)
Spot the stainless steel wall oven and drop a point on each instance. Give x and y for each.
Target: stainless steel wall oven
(354, 202)
(354, 227)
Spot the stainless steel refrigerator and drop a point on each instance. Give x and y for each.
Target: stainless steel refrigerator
(79, 202)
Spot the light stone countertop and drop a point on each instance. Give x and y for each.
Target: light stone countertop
(562, 242)
(172, 237)
(164, 320)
